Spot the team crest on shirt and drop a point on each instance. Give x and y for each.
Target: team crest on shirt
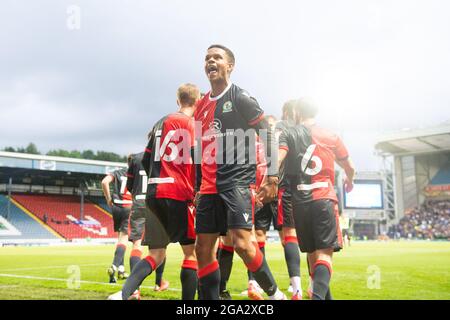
(246, 216)
(227, 107)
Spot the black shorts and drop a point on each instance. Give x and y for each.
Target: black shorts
(285, 212)
(120, 218)
(266, 215)
(169, 221)
(232, 209)
(136, 222)
(317, 225)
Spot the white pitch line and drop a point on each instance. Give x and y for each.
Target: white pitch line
(9, 286)
(65, 280)
(52, 267)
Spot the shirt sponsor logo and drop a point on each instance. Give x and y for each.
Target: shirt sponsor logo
(216, 125)
(227, 107)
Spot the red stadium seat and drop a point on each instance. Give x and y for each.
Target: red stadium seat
(60, 208)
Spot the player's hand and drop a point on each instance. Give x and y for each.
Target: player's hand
(258, 203)
(269, 191)
(196, 199)
(348, 185)
(110, 203)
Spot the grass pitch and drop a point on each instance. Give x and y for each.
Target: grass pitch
(366, 270)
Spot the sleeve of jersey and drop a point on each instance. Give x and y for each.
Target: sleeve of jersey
(340, 151)
(130, 176)
(283, 141)
(249, 109)
(146, 159)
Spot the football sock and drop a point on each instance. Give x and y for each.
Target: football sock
(209, 280)
(225, 260)
(159, 272)
(321, 277)
(261, 271)
(141, 271)
(292, 257)
(119, 254)
(261, 246)
(135, 257)
(329, 296)
(189, 280)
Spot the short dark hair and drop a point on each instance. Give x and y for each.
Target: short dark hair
(228, 51)
(306, 108)
(288, 109)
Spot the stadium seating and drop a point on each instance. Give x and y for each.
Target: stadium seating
(442, 177)
(101, 202)
(28, 227)
(430, 220)
(62, 214)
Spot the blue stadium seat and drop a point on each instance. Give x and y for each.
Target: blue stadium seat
(29, 228)
(442, 177)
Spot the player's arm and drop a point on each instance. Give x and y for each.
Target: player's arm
(130, 175)
(196, 157)
(344, 161)
(105, 186)
(148, 152)
(349, 168)
(282, 154)
(254, 115)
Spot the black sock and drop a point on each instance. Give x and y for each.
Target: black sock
(133, 262)
(159, 273)
(262, 273)
(265, 279)
(329, 296)
(141, 271)
(209, 281)
(292, 257)
(135, 257)
(250, 275)
(225, 265)
(321, 284)
(189, 280)
(119, 254)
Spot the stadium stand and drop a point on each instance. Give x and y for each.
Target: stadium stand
(101, 202)
(429, 221)
(62, 214)
(22, 222)
(442, 177)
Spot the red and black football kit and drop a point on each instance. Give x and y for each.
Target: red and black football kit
(285, 216)
(170, 169)
(268, 214)
(312, 152)
(137, 185)
(229, 126)
(121, 199)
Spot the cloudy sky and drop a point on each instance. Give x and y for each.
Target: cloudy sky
(97, 74)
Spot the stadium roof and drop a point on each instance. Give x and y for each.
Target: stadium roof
(408, 142)
(49, 163)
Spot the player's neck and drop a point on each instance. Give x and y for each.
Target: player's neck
(309, 122)
(189, 111)
(218, 87)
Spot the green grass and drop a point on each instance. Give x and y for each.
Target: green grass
(407, 270)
